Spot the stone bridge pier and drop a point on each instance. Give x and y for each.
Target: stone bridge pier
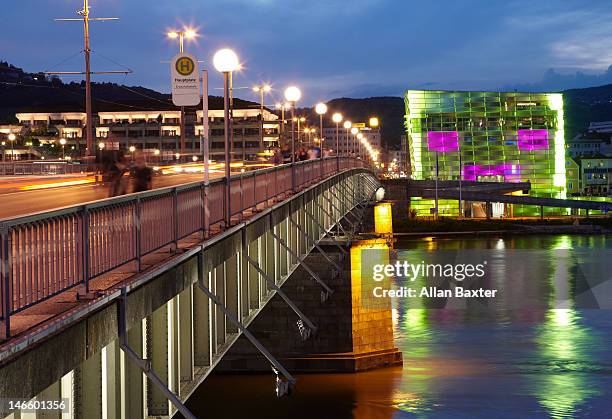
(354, 332)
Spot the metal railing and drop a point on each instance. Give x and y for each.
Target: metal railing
(38, 168)
(46, 253)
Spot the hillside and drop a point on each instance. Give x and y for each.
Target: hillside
(23, 92)
(582, 106)
(27, 92)
(389, 110)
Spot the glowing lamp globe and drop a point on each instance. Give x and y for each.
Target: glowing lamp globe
(360, 136)
(321, 108)
(337, 117)
(293, 94)
(226, 61)
(354, 130)
(348, 125)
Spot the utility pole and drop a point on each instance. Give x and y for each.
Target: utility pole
(89, 119)
(88, 110)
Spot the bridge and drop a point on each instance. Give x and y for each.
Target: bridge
(489, 192)
(161, 283)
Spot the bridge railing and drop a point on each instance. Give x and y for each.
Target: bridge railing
(41, 168)
(46, 253)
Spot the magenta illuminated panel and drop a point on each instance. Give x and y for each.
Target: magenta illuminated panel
(532, 139)
(510, 172)
(443, 141)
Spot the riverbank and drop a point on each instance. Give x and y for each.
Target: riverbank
(452, 226)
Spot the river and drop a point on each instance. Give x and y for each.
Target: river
(523, 358)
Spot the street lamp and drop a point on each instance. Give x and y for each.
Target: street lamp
(360, 138)
(262, 89)
(186, 33)
(282, 107)
(12, 137)
(132, 150)
(354, 131)
(321, 109)
(347, 126)
(292, 95)
(62, 141)
(101, 146)
(337, 118)
(226, 61)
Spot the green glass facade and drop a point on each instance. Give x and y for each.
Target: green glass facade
(501, 136)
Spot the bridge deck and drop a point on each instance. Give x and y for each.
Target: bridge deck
(28, 321)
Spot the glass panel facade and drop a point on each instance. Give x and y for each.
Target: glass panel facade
(506, 136)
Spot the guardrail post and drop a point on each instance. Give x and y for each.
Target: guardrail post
(205, 213)
(85, 248)
(6, 289)
(138, 238)
(175, 216)
(240, 214)
(293, 176)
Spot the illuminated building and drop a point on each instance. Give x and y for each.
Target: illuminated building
(157, 129)
(501, 137)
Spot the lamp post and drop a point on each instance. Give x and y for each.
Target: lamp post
(62, 142)
(337, 118)
(292, 95)
(186, 33)
(264, 88)
(359, 145)
(299, 121)
(12, 138)
(347, 126)
(282, 107)
(321, 109)
(226, 61)
(132, 150)
(355, 131)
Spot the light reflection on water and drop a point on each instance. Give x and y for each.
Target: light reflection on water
(536, 362)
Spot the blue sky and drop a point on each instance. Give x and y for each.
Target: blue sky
(331, 48)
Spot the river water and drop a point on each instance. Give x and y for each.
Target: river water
(533, 360)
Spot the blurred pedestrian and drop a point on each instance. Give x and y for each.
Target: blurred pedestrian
(302, 154)
(286, 153)
(277, 157)
(312, 154)
(118, 182)
(143, 174)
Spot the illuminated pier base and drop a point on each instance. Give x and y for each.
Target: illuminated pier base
(355, 330)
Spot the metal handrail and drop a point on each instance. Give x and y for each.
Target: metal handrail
(45, 253)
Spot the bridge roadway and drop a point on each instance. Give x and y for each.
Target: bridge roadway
(93, 296)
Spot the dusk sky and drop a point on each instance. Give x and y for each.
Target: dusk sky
(331, 48)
